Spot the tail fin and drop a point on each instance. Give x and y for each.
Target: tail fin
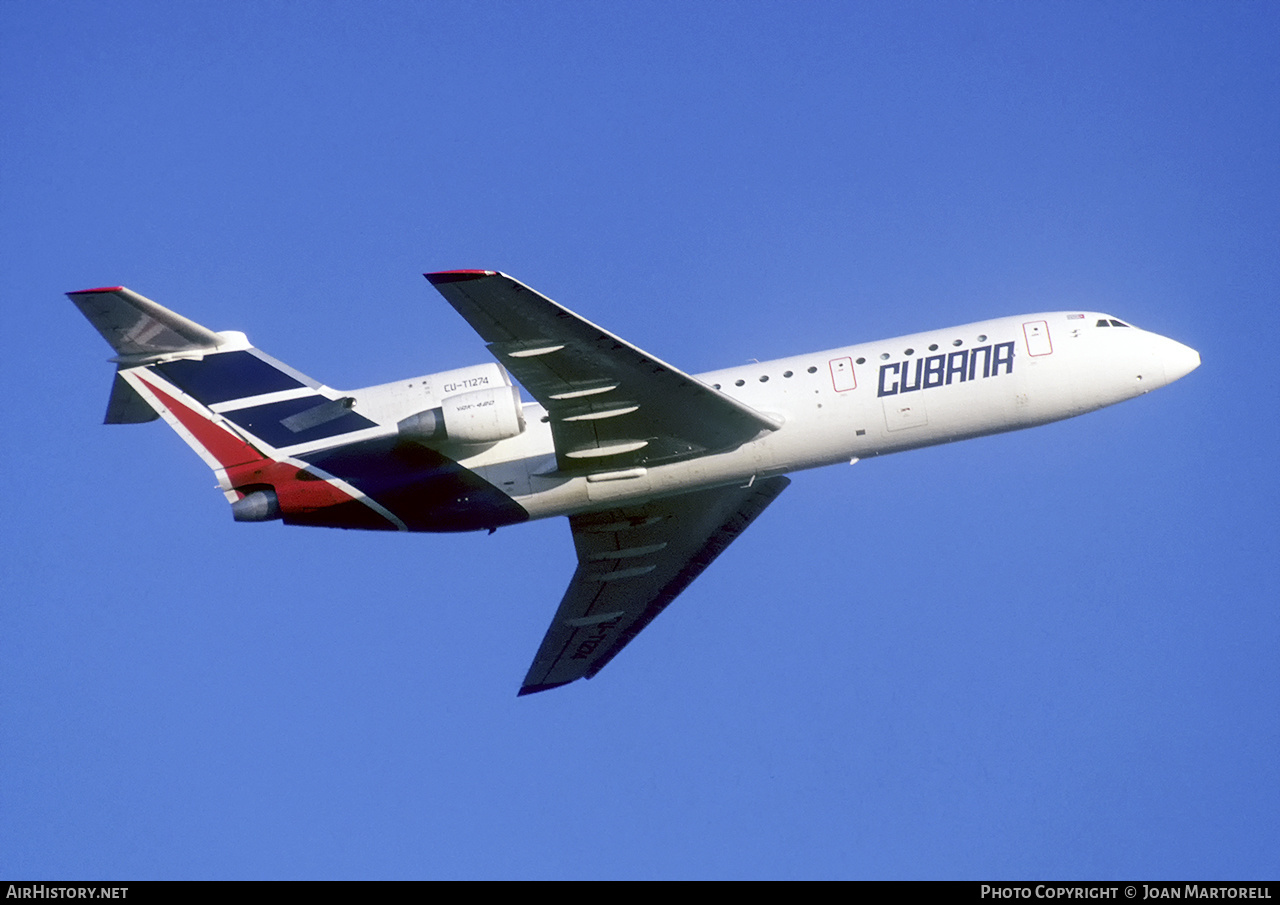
(247, 415)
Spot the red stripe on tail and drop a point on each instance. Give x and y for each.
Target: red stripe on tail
(297, 490)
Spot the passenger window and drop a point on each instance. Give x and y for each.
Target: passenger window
(786, 373)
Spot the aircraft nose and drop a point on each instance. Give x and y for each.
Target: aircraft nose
(1179, 360)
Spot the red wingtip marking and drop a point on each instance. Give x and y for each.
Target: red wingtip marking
(99, 289)
(457, 276)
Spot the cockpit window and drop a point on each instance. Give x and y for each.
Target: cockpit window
(1116, 323)
(1110, 322)
(1102, 322)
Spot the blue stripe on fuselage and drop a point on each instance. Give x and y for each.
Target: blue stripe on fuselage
(423, 488)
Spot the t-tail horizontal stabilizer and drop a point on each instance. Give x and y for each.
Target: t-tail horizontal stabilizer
(138, 329)
(136, 326)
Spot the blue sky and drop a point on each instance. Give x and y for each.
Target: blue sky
(1046, 654)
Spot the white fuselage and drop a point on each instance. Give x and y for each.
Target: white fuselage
(870, 399)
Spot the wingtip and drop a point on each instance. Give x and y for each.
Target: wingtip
(99, 289)
(534, 689)
(457, 276)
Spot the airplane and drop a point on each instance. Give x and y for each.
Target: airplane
(657, 470)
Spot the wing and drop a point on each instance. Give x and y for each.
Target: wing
(611, 405)
(632, 562)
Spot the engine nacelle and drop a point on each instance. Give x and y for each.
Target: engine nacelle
(480, 416)
(257, 506)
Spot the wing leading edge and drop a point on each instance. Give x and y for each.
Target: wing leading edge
(611, 404)
(632, 562)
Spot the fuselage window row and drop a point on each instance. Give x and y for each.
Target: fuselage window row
(884, 356)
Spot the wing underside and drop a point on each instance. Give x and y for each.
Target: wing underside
(611, 404)
(632, 562)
